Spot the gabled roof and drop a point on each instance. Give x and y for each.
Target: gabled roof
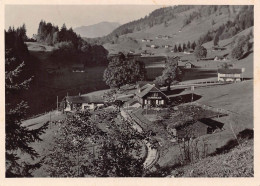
(84, 99)
(77, 65)
(148, 88)
(229, 71)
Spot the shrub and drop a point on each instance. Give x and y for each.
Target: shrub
(200, 51)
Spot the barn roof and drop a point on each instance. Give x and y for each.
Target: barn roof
(84, 99)
(229, 71)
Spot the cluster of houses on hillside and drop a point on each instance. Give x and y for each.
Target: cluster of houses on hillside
(147, 40)
(144, 94)
(165, 37)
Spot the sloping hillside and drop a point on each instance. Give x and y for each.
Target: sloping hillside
(175, 31)
(96, 30)
(239, 162)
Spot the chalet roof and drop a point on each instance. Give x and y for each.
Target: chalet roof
(84, 99)
(189, 63)
(148, 88)
(229, 71)
(78, 65)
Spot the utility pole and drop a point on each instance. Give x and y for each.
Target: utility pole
(50, 119)
(57, 103)
(192, 89)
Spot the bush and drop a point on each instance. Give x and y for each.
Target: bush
(200, 52)
(237, 52)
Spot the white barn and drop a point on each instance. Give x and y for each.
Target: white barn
(73, 103)
(229, 75)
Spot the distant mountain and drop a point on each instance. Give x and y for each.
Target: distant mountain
(96, 30)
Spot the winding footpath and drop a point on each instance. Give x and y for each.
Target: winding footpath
(152, 153)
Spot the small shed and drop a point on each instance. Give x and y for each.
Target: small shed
(189, 65)
(78, 68)
(198, 128)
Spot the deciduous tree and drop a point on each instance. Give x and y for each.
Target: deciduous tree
(200, 52)
(122, 70)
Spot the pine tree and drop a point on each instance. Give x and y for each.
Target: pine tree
(18, 137)
(188, 45)
(184, 47)
(175, 49)
(216, 39)
(179, 48)
(193, 45)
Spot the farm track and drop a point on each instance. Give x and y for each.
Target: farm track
(152, 153)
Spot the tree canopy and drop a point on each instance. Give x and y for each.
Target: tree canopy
(83, 149)
(170, 74)
(122, 70)
(200, 52)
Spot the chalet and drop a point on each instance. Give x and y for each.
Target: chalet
(73, 103)
(154, 46)
(150, 94)
(189, 65)
(229, 75)
(188, 51)
(78, 68)
(220, 58)
(167, 46)
(166, 37)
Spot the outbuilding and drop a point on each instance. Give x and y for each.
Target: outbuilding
(229, 75)
(189, 65)
(78, 68)
(73, 103)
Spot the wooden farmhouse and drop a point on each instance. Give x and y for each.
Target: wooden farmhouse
(229, 75)
(73, 103)
(150, 95)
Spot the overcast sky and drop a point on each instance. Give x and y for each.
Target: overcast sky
(72, 15)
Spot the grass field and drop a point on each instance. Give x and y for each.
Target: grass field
(239, 162)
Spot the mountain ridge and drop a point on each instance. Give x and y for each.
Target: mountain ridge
(96, 30)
